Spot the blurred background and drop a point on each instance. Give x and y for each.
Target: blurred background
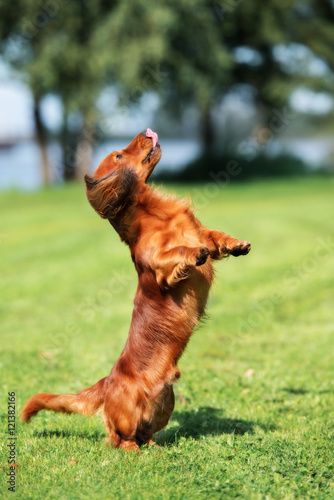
(233, 87)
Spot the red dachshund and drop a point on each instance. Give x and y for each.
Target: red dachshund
(172, 253)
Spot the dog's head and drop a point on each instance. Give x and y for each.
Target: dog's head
(117, 179)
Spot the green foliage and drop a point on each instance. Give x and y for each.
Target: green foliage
(315, 30)
(74, 48)
(198, 61)
(132, 37)
(57, 53)
(190, 53)
(254, 406)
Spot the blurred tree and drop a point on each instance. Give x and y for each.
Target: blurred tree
(74, 49)
(251, 31)
(50, 44)
(188, 52)
(198, 62)
(314, 28)
(178, 43)
(207, 48)
(281, 53)
(131, 43)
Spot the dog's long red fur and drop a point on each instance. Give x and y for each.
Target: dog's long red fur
(173, 254)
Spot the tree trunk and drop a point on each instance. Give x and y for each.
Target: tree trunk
(84, 151)
(42, 141)
(208, 134)
(69, 144)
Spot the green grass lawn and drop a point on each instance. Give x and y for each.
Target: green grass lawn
(254, 415)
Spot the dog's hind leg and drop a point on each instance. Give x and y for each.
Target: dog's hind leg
(115, 440)
(120, 415)
(163, 409)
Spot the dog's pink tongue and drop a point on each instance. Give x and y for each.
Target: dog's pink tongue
(153, 135)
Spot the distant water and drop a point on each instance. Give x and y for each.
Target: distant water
(20, 165)
(316, 152)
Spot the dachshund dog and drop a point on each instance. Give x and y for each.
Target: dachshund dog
(173, 254)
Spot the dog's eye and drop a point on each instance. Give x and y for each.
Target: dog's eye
(119, 157)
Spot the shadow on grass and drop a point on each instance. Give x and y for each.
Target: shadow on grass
(207, 421)
(292, 390)
(191, 423)
(93, 436)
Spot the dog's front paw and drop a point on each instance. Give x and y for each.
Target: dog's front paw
(201, 256)
(242, 248)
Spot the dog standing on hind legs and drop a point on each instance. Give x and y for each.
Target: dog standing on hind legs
(173, 254)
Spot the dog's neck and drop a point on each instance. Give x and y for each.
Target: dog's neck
(126, 223)
(126, 226)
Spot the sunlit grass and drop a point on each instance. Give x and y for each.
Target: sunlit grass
(254, 411)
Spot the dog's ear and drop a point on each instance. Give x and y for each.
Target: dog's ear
(108, 195)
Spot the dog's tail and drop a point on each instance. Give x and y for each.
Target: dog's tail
(86, 402)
